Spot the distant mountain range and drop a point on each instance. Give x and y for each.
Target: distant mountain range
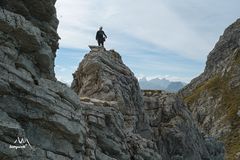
(160, 84)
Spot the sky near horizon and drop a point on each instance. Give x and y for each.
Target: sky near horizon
(159, 38)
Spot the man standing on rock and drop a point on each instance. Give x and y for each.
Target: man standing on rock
(100, 37)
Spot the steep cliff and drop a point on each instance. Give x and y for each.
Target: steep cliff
(214, 96)
(175, 130)
(103, 75)
(104, 119)
(28, 36)
(102, 78)
(33, 106)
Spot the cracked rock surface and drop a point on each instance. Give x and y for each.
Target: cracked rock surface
(104, 116)
(169, 130)
(214, 96)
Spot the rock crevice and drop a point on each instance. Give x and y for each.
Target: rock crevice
(105, 116)
(161, 127)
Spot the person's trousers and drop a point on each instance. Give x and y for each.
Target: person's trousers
(101, 43)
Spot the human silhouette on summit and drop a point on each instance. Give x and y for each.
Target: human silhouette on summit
(100, 37)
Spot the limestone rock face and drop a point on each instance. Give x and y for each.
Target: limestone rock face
(214, 96)
(33, 105)
(170, 132)
(104, 119)
(175, 132)
(108, 139)
(103, 75)
(28, 36)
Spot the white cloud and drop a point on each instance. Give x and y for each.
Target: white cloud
(64, 80)
(60, 68)
(64, 74)
(167, 24)
(189, 29)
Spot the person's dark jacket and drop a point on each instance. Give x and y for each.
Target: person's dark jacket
(100, 36)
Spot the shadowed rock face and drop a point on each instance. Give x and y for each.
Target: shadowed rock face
(175, 132)
(214, 96)
(104, 119)
(32, 104)
(28, 36)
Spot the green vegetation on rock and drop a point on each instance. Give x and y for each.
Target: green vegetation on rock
(237, 56)
(210, 85)
(218, 87)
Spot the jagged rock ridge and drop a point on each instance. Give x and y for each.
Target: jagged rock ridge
(103, 75)
(169, 127)
(214, 96)
(107, 123)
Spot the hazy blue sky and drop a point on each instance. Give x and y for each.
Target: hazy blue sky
(157, 38)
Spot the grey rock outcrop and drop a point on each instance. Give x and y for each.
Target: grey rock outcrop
(214, 96)
(104, 119)
(171, 132)
(33, 105)
(48, 113)
(103, 75)
(175, 132)
(28, 36)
